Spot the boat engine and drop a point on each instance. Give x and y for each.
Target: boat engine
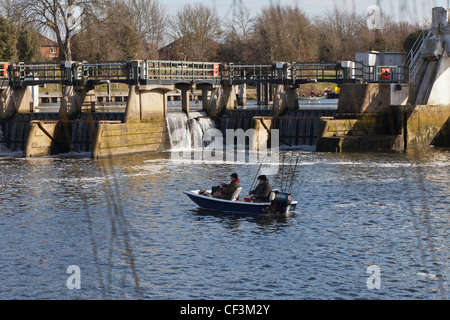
(280, 202)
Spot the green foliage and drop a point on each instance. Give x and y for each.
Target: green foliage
(128, 41)
(28, 45)
(410, 40)
(8, 40)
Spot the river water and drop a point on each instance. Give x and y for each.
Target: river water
(133, 234)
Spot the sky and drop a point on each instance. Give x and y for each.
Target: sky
(399, 10)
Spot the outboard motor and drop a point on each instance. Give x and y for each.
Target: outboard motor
(280, 201)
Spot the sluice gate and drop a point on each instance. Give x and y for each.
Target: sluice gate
(381, 107)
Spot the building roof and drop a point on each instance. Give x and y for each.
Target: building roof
(46, 42)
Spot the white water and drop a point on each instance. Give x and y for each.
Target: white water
(186, 133)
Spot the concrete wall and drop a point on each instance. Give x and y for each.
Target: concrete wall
(126, 138)
(420, 126)
(46, 138)
(146, 103)
(14, 100)
(357, 98)
(73, 99)
(263, 127)
(369, 119)
(440, 93)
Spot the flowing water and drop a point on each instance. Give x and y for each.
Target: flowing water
(187, 132)
(132, 232)
(128, 227)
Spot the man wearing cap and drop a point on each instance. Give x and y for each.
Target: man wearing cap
(227, 191)
(263, 190)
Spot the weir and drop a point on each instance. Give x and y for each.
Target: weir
(186, 132)
(381, 107)
(387, 116)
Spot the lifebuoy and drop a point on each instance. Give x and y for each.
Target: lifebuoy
(385, 74)
(216, 70)
(5, 70)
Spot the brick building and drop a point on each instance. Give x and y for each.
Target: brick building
(49, 49)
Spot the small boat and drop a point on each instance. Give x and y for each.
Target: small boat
(332, 96)
(312, 98)
(281, 203)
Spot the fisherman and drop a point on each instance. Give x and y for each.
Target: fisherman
(262, 190)
(226, 191)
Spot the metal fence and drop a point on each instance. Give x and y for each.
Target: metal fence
(148, 71)
(180, 70)
(247, 72)
(113, 71)
(316, 71)
(37, 72)
(389, 74)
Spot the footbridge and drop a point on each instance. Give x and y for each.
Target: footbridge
(217, 81)
(151, 72)
(402, 115)
(142, 126)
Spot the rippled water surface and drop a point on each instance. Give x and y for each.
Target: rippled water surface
(132, 232)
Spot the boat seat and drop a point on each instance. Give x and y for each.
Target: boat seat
(236, 194)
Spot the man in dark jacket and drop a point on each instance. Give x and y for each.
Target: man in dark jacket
(227, 191)
(263, 190)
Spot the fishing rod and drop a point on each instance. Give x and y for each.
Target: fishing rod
(257, 173)
(293, 174)
(282, 172)
(287, 179)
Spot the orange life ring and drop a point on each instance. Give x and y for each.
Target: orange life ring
(5, 70)
(385, 74)
(216, 70)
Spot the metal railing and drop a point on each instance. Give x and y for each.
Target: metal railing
(113, 71)
(180, 70)
(172, 72)
(36, 72)
(316, 71)
(413, 59)
(389, 74)
(248, 72)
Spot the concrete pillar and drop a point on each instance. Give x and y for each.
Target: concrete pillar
(72, 101)
(146, 103)
(263, 127)
(7, 107)
(185, 88)
(258, 94)
(439, 93)
(280, 101)
(266, 94)
(206, 94)
(212, 99)
(15, 100)
(229, 95)
(292, 97)
(242, 95)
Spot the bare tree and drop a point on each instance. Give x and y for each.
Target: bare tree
(341, 34)
(197, 29)
(108, 35)
(61, 17)
(150, 19)
(286, 34)
(8, 8)
(238, 44)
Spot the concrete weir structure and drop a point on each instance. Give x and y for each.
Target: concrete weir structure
(398, 116)
(381, 107)
(141, 128)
